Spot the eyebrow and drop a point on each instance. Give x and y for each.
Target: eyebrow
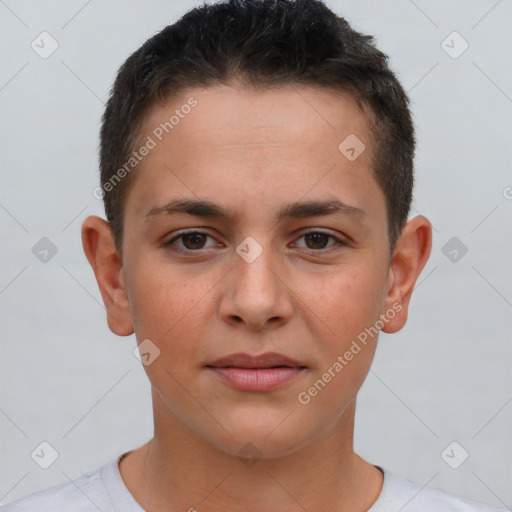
(298, 209)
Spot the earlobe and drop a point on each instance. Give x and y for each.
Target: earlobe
(100, 250)
(409, 258)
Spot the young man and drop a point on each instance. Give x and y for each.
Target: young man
(257, 172)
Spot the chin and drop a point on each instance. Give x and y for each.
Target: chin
(264, 436)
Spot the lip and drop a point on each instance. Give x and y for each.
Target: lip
(257, 373)
(266, 360)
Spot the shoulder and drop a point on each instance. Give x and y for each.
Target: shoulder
(85, 494)
(399, 493)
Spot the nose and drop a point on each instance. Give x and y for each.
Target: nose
(255, 293)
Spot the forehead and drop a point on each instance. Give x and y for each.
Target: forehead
(225, 112)
(261, 142)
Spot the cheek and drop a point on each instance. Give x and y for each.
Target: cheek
(165, 303)
(350, 306)
(346, 302)
(168, 310)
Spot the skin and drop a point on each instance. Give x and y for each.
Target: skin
(252, 153)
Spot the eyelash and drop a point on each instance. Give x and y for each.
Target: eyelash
(170, 243)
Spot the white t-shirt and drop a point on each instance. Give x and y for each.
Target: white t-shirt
(103, 489)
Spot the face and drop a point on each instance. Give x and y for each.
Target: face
(251, 230)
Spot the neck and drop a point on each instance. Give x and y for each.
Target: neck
(177, 470)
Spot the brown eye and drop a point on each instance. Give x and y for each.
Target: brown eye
(196, 240)
(318, 240)
(192, 241)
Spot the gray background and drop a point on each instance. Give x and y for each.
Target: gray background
(66, 379)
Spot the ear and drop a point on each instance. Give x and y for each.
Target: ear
(99, 247)
(409, 257)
